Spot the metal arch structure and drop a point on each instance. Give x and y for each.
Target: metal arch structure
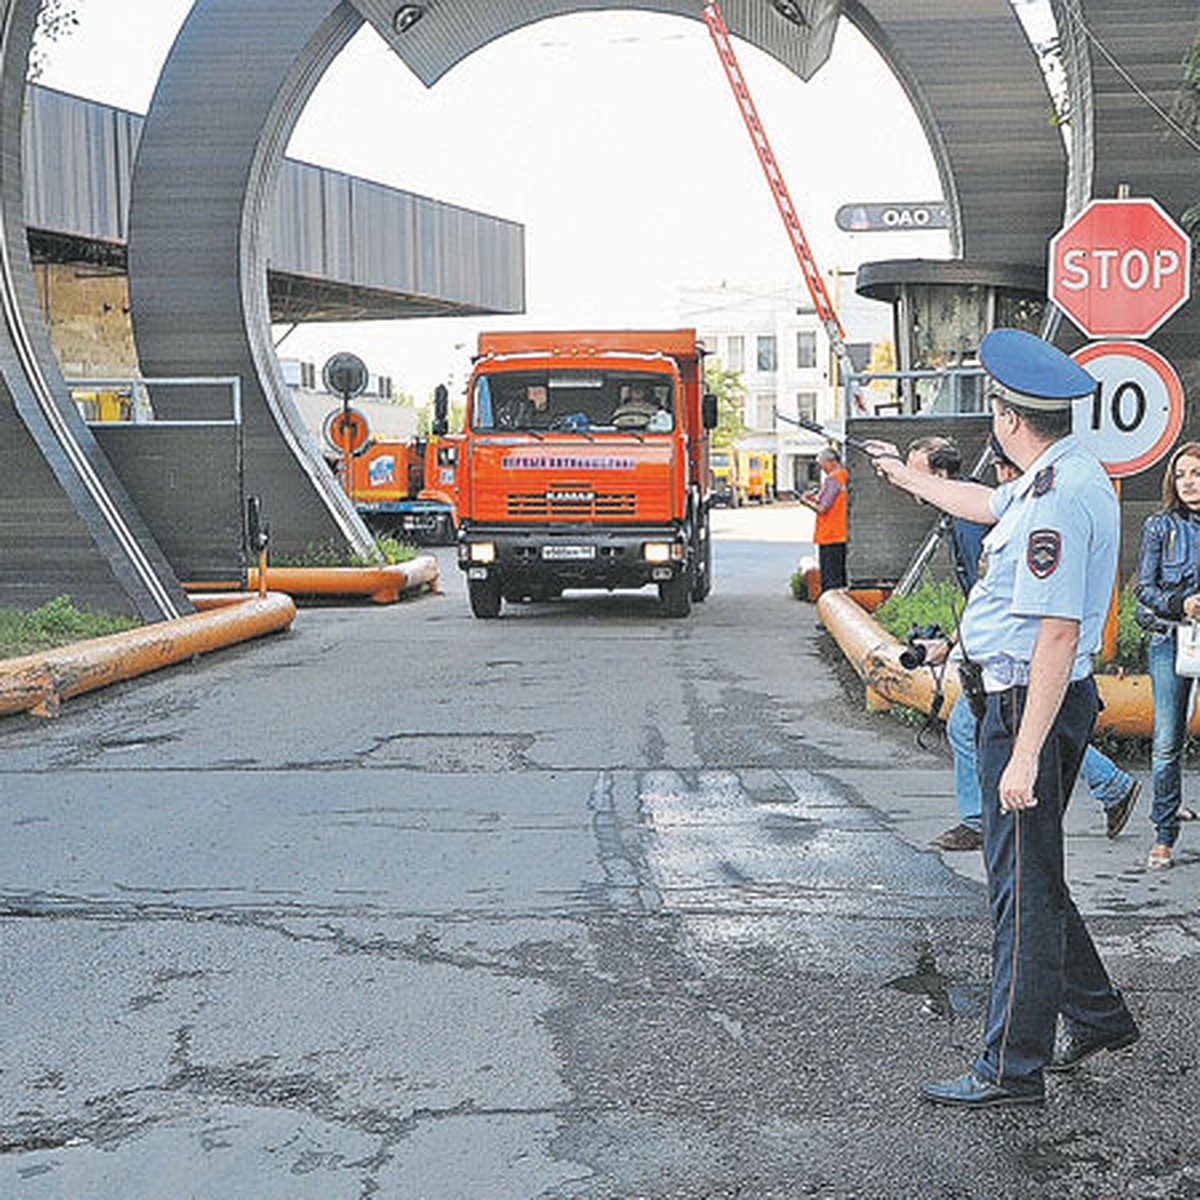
(240, 71)
(66, 523)
(211, 152)
(237, 78)
(1124, 73)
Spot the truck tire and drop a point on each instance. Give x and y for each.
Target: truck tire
(485, 597)
(675, 594)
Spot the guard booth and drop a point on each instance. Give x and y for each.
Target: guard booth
(940, 311)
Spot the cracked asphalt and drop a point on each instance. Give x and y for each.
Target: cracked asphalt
(581, 903)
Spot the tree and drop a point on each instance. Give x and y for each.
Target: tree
(730, 392)
(55, 20)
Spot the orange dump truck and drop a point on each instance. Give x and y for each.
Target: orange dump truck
(406, 489)
(584, 463)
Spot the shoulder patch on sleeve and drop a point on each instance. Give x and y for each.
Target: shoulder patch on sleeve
(1043, 551)
(1043, 481)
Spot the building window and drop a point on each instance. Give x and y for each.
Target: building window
(766, 352)
(764, 411)
(806, 405)
(736, 360)
(806, 349)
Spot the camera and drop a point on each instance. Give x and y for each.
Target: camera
(912, 656)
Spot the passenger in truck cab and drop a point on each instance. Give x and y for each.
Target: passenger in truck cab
(638, 409)
(528, 411)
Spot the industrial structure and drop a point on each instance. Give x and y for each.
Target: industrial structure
(199, 258)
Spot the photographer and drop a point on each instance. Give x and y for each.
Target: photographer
(1114, 789)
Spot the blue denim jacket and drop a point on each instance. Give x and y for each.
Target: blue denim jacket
(1167, 568)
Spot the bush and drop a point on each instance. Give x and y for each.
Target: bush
(942, 603)
(56, 623)
(387, 550)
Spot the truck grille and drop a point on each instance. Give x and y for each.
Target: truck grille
(602, 504)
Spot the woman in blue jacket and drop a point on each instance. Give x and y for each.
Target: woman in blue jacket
(1168, 590)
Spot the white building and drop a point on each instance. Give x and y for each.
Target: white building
(775, 340)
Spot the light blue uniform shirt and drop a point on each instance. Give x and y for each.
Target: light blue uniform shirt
(1051, 553)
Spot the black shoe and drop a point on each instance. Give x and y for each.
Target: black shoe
(1116, 816)
(961, 837)
(1072, 1046)
(970, 1091)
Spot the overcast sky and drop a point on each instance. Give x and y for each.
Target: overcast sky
(611, 136)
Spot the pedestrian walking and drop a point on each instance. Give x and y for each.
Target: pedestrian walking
(1168, 592)
(1030, 627)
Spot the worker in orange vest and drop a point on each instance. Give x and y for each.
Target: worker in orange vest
(829, 534)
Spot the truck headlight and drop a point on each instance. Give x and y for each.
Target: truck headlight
(482, 552)
(656, 552)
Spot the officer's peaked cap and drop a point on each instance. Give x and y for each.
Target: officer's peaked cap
(1031, 372)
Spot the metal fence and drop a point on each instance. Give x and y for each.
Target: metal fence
(184, 475)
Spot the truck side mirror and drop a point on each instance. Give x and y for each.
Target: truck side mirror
(708, 411)
(441, 411)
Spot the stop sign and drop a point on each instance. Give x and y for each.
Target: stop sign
(1120, 268)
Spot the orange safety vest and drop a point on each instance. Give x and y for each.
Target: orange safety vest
(831, 524)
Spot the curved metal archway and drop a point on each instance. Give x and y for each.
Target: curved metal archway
(238, 76)
(66, 523)
(200, 200)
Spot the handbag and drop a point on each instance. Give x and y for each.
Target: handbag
(1187, 649)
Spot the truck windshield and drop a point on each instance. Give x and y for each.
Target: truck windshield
(585, 400)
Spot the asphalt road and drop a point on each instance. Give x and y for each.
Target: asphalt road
(582, 902)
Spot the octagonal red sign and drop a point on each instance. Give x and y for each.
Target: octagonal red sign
(1120, 268)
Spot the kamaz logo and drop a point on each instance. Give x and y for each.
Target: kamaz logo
(570, 497)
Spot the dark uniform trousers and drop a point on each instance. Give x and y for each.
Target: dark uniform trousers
(1043, 959)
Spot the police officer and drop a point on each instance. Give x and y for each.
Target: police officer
(1030, 627)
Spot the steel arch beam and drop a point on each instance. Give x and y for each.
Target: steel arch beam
(229, 95)
(66, 523)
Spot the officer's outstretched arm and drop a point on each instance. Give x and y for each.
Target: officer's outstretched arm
(959, 497)
(1049, 675)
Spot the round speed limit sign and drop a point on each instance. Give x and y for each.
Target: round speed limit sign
(1136, 414)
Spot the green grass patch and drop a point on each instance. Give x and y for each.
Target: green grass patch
(57, 623)
(942, 603)
(385, 552)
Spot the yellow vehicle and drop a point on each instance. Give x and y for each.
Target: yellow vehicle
(755, 476)
(103, 406)
(722, 467)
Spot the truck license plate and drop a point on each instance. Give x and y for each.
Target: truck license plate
(568, 552)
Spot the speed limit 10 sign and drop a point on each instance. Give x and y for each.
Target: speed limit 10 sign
(1135, 415)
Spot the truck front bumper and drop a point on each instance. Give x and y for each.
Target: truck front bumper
(573, 556)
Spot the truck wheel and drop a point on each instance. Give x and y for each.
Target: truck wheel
(676, 595)
(485, 597)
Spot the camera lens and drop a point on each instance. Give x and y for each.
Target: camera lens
(911, 657)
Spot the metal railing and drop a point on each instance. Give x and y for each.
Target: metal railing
(127, 400)
(950, 391)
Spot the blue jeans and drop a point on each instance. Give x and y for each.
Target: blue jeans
(1043, 960)
(1171, 695)
(1105, 780)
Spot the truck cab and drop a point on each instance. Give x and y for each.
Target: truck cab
(584, 463)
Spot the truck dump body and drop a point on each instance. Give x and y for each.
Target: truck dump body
(584, 463)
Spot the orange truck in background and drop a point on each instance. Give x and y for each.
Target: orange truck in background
(584, 463)
(407, 488)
